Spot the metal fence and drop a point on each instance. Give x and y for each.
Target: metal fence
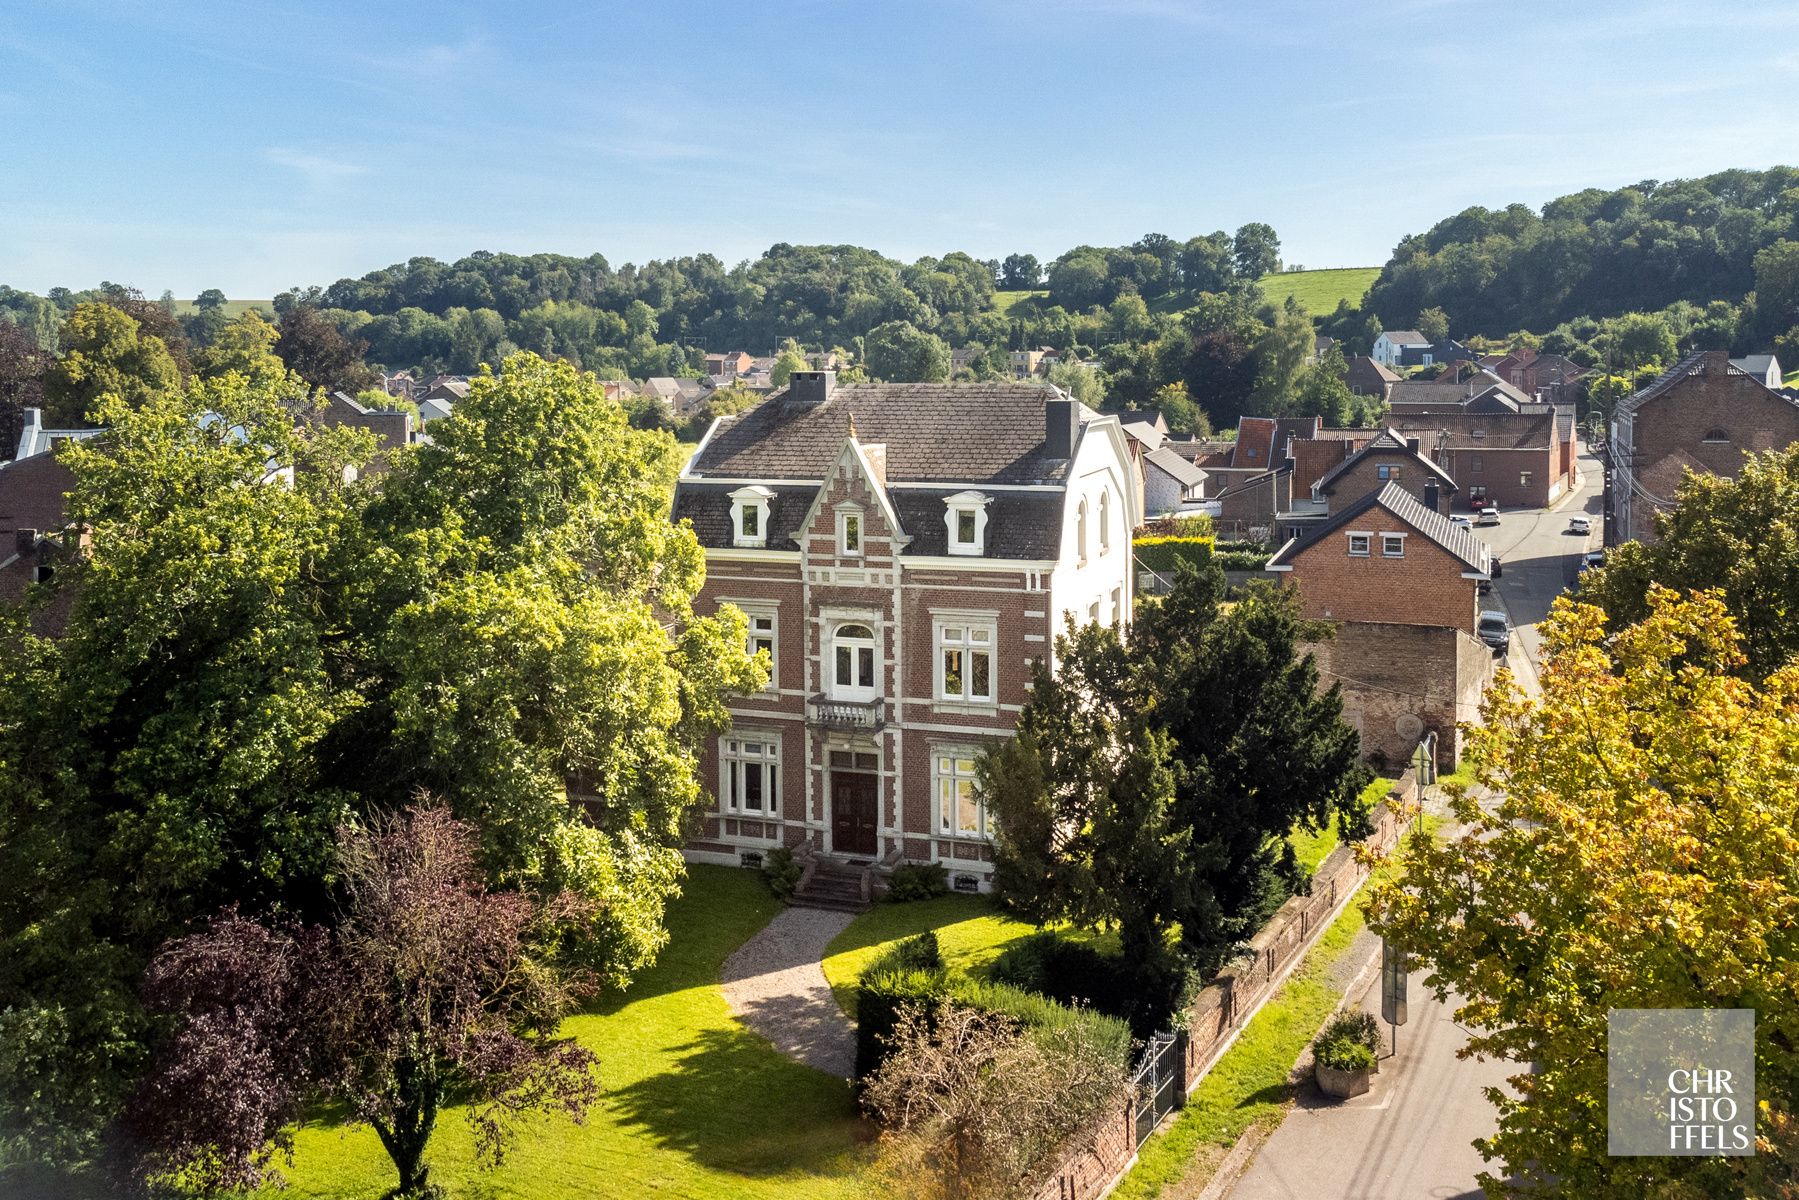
(1159, 1085)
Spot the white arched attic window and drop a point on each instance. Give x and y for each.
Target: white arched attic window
(854, 663)
(1080, 530)
(966, 517)
(749, 515)
(1105, 522)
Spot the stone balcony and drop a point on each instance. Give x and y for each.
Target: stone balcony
(844, 714)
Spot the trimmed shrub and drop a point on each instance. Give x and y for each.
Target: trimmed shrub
(911, 973)
(919, 952)
(1150, 996)
(917, 881)
(782, 873)
(1040, 1013)
(1342, 1054)
(882, 996)
(1160, 554)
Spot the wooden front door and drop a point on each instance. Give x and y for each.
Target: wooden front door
(855, 812)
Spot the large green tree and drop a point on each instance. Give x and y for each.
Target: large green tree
(1154, 783)
(259, 652)
(104, 353)
(1642, 853)
(900, 352)
(1739, 536)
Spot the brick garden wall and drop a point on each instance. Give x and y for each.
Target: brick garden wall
(1221, 1011)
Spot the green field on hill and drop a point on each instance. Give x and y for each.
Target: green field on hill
(1004, 301)
(233, 308)
(1319, 291)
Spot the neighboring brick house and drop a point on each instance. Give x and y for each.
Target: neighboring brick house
(1366, 377)
(1512, 459)
(33, 499)
(1401, 582)
(904, 552)
(1703, 414)
(1388, 457)
(391, 427)
(1482, 388)
(1388, 558)
(737, 362)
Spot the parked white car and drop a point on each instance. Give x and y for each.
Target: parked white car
(1580, 525)
(1488, 516)
(1464, 522)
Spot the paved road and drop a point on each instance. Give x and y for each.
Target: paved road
(1540, 558)
(1409, 1138)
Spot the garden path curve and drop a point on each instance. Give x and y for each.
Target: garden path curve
(775, 985)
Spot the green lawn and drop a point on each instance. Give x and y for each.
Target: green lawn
(971, 932)
(1319, 291)
(1004, 301)
(695, 1105)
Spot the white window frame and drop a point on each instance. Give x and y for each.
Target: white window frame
(952, 770)
(967, 635)
(739, 752)
(1524, 478)
(755, 499)
(1388, 542)
(846, 516)
(955, 508)
(1105, 523)
(765, 627)
(854, 691)
(1367, 544)
(1080, 532)
(1117, 607)
(1386, 472)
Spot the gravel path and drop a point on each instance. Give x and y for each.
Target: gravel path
(775, 984)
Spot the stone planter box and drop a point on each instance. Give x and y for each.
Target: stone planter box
(1343, 1084)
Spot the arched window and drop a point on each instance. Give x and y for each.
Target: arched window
(853, 663)
(1080, 530)
(1105, 523)
(1716, 435)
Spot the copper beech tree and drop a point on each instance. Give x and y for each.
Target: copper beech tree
(431, 990)
(1643, 853)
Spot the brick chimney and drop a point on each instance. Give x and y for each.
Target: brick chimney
(1412, 445)
(1061, 426)
(811, 388)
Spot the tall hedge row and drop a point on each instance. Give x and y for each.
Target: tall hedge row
(912, 974)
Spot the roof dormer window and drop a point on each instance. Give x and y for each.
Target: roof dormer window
(749, 516)
(966, 518)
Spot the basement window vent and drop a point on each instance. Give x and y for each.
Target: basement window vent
(751, 859)
(967, 883)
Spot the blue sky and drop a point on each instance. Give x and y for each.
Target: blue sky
(253, 146)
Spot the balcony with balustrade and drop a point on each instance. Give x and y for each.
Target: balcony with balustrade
(828, 713)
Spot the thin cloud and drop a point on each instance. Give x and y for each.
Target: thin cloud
(318, 170)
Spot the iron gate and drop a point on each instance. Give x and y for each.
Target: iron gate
(1159, 1085)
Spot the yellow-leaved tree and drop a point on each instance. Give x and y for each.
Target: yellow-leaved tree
(1638, 848)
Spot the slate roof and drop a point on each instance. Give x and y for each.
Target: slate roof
(1387, 441)
(1144, 433)
(1439, 529)
(1406, 337)
(1499, 431)
(970, 433)
(1175, 467)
